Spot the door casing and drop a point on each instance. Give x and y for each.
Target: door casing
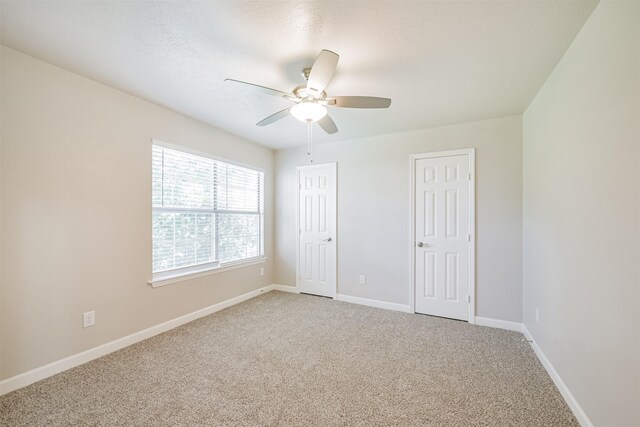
(471, 153)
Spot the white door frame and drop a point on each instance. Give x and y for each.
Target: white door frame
(297, 230)
(471, 152)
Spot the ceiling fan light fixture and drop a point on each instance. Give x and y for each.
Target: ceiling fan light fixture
(311, 98)
(308, 111)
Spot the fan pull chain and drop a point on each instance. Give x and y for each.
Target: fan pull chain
(309, 140)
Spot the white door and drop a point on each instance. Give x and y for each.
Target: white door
(317, 229)
(442, 235)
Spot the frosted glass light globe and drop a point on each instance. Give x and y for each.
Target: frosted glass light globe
(308, 111)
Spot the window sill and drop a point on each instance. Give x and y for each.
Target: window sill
(180, 277)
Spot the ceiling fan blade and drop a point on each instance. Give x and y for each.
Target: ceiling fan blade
(328, 125)
(274, 117)
(358, 102)
(322, 70)
(262, 89)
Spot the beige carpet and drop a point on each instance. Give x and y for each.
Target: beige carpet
(284, 359)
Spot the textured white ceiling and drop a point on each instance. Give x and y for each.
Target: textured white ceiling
(441, 62)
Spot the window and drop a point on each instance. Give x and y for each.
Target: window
(206, 213)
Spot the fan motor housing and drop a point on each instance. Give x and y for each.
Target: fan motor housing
(304, 93)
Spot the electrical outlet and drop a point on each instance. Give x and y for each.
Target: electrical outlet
(262, 271)
(537, 316)
(88, 319)
(362, 280)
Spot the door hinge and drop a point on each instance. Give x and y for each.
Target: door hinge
(299, 186)
(468, 237)
(300, 231)
(469, 176)
(469, 299)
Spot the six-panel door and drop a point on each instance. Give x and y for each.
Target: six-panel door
(441, 240)
(317, 229)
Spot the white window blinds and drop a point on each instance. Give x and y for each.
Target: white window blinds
(205, 212)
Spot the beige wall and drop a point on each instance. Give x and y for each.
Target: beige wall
(582, 216)
(373, 211)
(76, 213)
(563, 182)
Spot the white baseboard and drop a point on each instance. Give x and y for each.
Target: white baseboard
(575, 407)
(577, 410)
(58, 366)
(284, 288)
(374, 303)
(497, 323)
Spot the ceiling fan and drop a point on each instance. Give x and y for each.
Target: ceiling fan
(311, 99)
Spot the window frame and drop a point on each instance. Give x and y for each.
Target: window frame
(175, 275)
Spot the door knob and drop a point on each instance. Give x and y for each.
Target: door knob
(328, 239)
(420, 244)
